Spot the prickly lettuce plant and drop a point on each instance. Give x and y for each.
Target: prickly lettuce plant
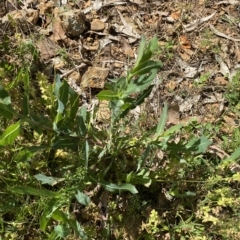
(67, 161)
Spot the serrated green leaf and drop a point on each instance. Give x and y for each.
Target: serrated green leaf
(34, 191)
(83, 198)
(10, 134)
(199, 145)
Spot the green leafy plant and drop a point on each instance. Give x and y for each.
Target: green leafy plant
(63, 162)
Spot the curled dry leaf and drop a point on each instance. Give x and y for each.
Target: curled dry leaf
(222, 34)
(192, 26)
(128, 29)
(223, 66)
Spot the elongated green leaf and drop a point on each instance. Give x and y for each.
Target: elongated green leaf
(125, 187)
(37, 148)
(116, 107)
(57, 86)
(82, 117)
(146, 51)
(162, 121)
(107, 95)
(34, 191)
(10, 134)
(146, 67)
(111, 187)
(25, 105)
(48, 180)
(151, 47)
(143, 95)
(25, 78)
(83, 198)
(86, 153)
(74, 103)
(62, 142)
(63, 93)
(173, 129)
(7, 111)
(140, 178)
(140, 50)
(153, 44)
(235, 154)
(49, 209)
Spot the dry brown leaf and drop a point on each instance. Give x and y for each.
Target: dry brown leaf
(127, 48)
(127, 28)
(221, 81)
(175, 15)
(173, 114)
(222, 34)
(193, 25)
(184, 42)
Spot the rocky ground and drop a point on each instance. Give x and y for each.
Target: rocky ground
(88, 42)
